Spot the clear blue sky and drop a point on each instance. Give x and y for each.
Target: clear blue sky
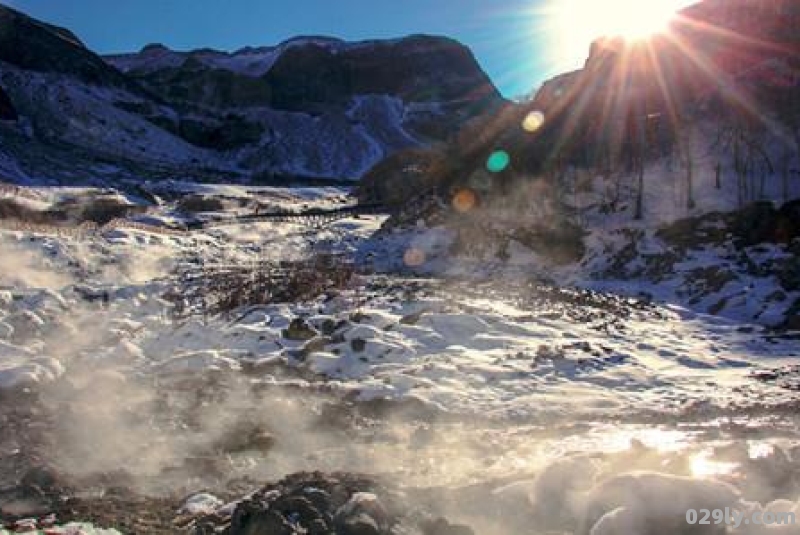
(512, 43)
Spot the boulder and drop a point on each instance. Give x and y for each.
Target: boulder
(299, 330)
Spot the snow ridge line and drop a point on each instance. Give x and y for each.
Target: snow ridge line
(10, 190)
(90, 229)
(85, 230)
(310, 216)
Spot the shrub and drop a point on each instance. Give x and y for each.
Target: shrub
(223, 289)
(11, 209)
(102, 210)
(192, 204)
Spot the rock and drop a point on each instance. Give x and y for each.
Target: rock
(7, 110)
(26, 525)
(359, 524)
(359, 317)
(788, 224)
(299, 509)
(329, 326)
(754, 224)
(232, 132)
(789, 273)
(40, 477)
(792, 323)
(201, 504)
(363, 503)
(252, 519)
(299, 330)
(412, 319)
(318, 527)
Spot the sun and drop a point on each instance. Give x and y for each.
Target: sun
(574, 24)
(630, 19)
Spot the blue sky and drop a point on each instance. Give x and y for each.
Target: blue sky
(516, 41)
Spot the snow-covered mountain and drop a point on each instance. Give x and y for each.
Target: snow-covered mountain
(311, 107)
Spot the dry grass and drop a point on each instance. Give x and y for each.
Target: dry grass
(225, 289)
(192, 204)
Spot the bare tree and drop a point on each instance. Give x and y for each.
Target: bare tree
(685, 135)
(640, 157)
(744, 142)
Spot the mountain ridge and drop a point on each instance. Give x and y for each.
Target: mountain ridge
(309, 108)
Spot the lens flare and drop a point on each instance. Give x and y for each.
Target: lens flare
(533, 121)
(498, 161)
(414, 257)
(464, 200)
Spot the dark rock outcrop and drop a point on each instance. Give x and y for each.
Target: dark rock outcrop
(33, 45)
(313, 74)
(7, 110)
(328, 504)
(754, 224)
(317, 76)
(416, 69)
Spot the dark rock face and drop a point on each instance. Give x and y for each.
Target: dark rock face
(317, 77)
(401, 177)
(197, 84)
(7, 110)
(328, 504)
(232, 132)
(315, 502)
(318, 74)
(416, 69)
(755, 224)
(787, 226)
(33, 45)
(762, 223)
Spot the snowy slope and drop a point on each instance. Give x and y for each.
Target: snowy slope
(466, 350)
(511, 393)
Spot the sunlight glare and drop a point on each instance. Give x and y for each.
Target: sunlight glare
(575, 24)
(631, 19)
(702, 465)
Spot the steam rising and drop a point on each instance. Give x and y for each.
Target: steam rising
(166, 432)
(25, 268)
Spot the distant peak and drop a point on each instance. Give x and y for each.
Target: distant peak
(312, 39)
(154, 47)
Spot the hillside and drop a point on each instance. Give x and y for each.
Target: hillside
(310, 108)
(583, 182)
